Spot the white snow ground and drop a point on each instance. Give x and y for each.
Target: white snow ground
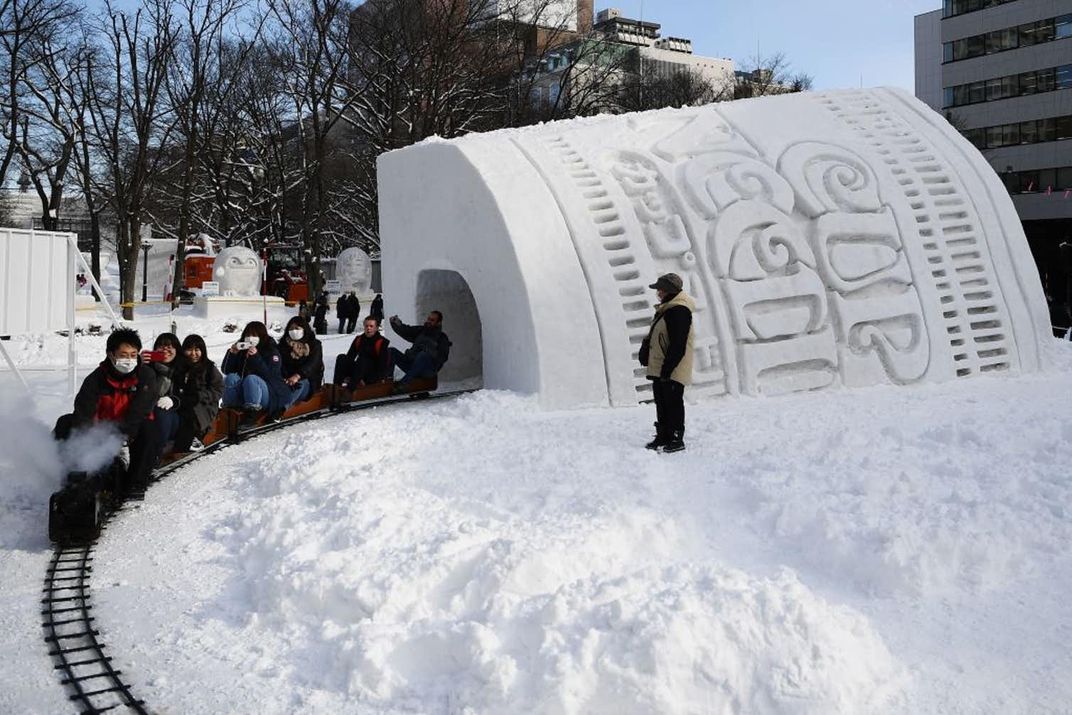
(886, 550)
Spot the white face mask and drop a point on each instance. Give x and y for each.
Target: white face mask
(253, 340)
(125, 366)
(296, 334)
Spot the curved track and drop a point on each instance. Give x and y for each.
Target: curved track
(67, 615)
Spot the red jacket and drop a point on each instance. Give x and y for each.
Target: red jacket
(106, 395)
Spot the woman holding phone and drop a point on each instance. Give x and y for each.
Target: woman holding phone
(167, 362)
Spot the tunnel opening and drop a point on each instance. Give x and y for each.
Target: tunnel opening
(449, 293)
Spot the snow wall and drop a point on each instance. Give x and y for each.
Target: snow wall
(847, 238)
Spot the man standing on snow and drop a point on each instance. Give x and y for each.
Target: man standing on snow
(667, 353)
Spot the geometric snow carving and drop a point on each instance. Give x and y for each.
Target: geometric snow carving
(837, 239)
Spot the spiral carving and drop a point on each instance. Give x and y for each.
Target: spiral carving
(828, 178)
(716, 181)
(753, 240)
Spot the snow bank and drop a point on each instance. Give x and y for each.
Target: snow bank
(838, 239)
(404, 594)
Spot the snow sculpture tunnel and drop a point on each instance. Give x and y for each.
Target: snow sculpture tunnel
(830, 240)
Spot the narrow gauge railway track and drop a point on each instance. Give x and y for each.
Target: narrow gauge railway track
(71, 633)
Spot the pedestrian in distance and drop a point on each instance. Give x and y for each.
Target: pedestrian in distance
(429, 351)
(342, 312)
(352, 313)
(667, 353)
(200, 389)
(376, 309)
(304, 312)
(367, 361)
(320, 316)
(121, 390)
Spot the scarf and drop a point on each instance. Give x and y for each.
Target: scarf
(298, 350)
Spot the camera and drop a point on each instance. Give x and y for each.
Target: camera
(153, 355)
(243, 345)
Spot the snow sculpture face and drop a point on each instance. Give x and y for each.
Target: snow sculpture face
(353, 269)
(238, 270)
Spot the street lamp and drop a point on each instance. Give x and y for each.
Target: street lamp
(145, 272)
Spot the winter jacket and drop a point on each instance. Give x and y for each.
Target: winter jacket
(309, 367)
(200, 389)
(424, 339)
(165, 377)
(107, 396)
(266, 364)
(376, 309)
(670, 340)
(372, 351)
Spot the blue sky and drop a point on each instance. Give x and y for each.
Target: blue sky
(835, 41)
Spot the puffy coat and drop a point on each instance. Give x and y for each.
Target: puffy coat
(106, 395)
(670, 340)
(200, 389)
(266, 364)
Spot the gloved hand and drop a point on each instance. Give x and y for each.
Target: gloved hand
(165, 403)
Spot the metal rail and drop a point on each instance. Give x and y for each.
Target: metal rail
(67, 614)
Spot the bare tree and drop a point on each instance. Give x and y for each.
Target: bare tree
(196, 63)
(49, 132)
(130, 122)
(764, 75)
(22, 23)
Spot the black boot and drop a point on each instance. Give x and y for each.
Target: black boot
(676, 442)
(660, 439)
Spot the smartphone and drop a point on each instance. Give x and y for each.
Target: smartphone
(243, 345)
(153, 355)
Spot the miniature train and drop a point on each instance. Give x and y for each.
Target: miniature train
(77, 512)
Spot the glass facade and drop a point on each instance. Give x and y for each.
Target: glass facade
(1035, 131)
(1038, 181)
(1015, 85)
(959, 7)
(1010, 38)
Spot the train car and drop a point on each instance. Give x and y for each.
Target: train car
(77, 512)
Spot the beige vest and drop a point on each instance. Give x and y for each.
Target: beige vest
(660, 340)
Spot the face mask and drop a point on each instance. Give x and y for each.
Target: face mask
(296, 334)
(125, 366)
(253, 340)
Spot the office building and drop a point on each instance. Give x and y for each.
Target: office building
(1001, 72)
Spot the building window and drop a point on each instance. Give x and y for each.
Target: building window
(1035, 181)
(1033, 131)
(959, 7)
(1016, 85)
(1010, 38)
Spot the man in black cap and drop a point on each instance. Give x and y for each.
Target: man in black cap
(667, 353)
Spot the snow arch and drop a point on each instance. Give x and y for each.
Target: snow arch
(832, 239)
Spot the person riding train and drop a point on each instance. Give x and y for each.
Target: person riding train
(253, 373)
(367, 361)
(200, 388)
(121, 390)
(429, 351)
(303, 360)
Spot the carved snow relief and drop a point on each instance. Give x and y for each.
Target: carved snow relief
(829, 240)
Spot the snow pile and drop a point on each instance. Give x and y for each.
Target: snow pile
(411, 596)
